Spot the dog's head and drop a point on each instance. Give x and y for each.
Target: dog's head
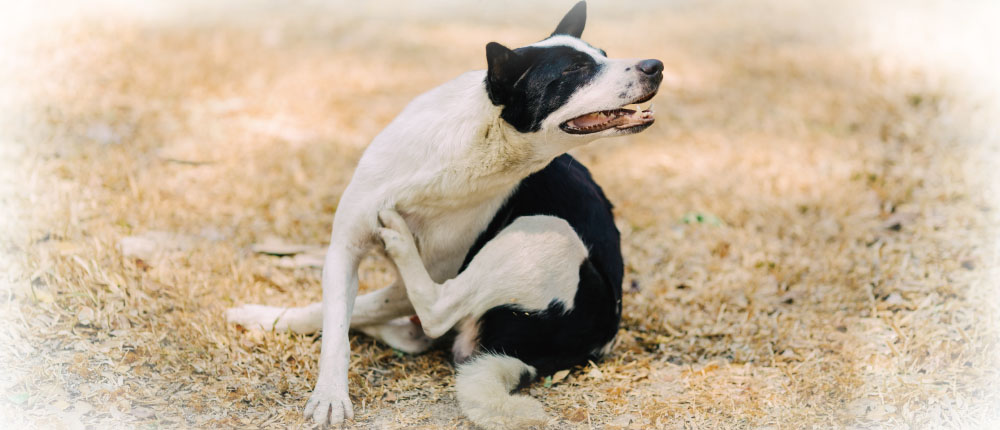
(564, 88)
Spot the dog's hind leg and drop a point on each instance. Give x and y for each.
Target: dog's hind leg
(376, 307)
(305, 319)
(483, 388)
(376, 314)
(529, 264)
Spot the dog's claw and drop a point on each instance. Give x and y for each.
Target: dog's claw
(324, 408)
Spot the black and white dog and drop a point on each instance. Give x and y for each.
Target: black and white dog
(495, 232)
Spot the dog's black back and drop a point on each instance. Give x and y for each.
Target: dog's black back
(551, 340)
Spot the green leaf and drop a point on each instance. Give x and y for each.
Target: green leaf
(18, 398)
(548, 382)
(701, 218)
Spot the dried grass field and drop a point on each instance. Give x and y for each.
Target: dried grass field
(809, 228)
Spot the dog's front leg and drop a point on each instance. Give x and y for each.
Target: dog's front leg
(330, 402)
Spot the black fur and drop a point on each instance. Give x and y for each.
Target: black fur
(551, 340)
(537, 81)
(574, 21)
(531, 83)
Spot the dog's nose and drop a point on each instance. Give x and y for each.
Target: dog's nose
(650, 66)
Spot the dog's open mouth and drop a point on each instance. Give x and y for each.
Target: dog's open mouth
(629, 117)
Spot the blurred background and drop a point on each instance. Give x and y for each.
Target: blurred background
(809, 228)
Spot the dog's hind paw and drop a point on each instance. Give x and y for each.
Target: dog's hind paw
(395, 244)
(395, 235)
(258, 317)
(391, 219)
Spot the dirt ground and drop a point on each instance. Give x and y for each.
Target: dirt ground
(809, 228)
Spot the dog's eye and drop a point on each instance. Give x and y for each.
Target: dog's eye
(575, 67)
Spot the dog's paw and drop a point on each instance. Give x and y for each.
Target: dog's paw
(393, 242)
(391, 219)
(396, 235)
(258, 317)
(329, 405)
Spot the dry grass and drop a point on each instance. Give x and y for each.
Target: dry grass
(848, 282)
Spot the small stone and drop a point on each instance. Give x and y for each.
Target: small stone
(82, 408)
(60, 405)
(102, 133)
(623, 420)
(143, 412)
(894, 299)
(138, 247)
(85, 316)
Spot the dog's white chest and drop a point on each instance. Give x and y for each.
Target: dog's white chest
(445, 236)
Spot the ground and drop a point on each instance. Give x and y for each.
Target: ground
(808, 228)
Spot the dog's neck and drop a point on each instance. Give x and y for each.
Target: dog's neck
(449, 148)
(502, 151)
(491, 157)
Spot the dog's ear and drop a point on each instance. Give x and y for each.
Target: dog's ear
(572, 24)
(503, 68)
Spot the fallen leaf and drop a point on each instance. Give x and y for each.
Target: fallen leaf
(577, 415)
(44, 296)
(559, 376)
(595, 373)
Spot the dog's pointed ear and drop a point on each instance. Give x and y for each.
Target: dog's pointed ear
(503, 68)
(572, 24)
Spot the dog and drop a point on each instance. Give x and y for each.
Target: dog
(496, 233)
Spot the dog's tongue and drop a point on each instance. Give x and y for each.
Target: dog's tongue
(590, 120)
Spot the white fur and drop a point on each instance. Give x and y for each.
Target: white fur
(483, 388)
(466, 341)
(446, 164)
(400, 333)
(570, 41)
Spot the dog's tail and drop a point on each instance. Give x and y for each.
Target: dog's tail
(484, 386)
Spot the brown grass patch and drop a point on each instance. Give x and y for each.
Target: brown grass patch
(842, 273)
